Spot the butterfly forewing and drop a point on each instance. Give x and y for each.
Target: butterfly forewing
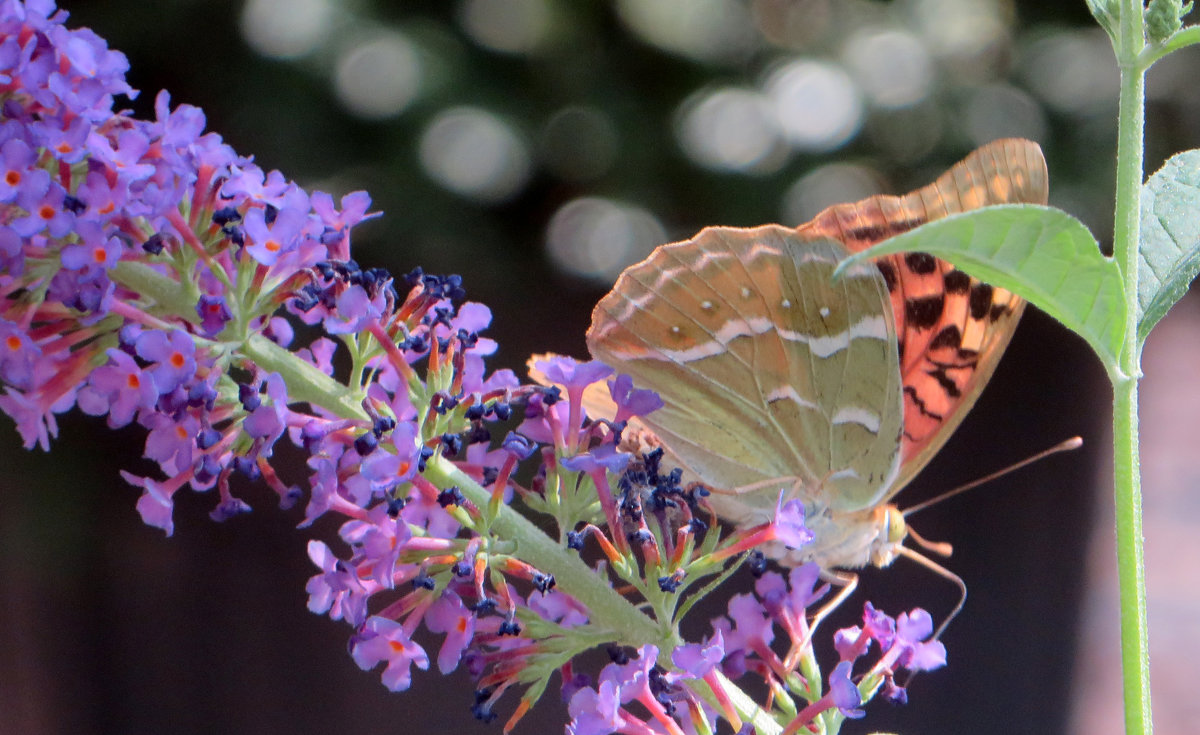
(951, 328)
(769, 369)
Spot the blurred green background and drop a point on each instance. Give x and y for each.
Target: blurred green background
(537, 147)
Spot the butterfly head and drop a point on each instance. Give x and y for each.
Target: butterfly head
(892, 532)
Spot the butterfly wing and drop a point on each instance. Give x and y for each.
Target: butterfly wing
(952, 329)
(769, 369)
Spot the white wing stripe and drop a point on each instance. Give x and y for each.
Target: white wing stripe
(788, 392)
(869, 420)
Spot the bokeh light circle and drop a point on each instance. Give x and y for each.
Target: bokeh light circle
(818, 105)
(509, 26)
(891, 65)
(286, 29)
(474, 153)
(730, 129)
(825, 186)
(378, 78)
(596, 238)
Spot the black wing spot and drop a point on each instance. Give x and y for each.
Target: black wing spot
(944, 380)
(920, 263)
(924, 312)
(949, 337)
(889, 274)
(916, 399)
(957, 282)
(981, 300)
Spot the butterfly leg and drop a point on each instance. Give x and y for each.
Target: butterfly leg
(946, 574)
(847, 582)
(756, 486)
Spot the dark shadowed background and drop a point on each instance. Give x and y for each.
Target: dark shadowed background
(537, 147)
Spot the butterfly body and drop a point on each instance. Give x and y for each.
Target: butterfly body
(777, 378)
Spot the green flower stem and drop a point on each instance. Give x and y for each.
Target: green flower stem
(305, 382)
(606, 608)
(1135, 650)
(1185, 37)
(764, 724)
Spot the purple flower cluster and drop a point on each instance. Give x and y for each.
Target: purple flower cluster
(149, 275)
(742, 644)
(143, 267)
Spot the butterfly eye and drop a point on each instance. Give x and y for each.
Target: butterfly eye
(895, 529)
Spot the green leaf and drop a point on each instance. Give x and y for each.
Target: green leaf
(1106, 13)
(1169, 247)
(1042, 254)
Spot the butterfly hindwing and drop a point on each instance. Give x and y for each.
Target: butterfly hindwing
(952, 329)
(769, 369)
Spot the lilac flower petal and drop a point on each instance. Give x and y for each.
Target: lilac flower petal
(843, 692)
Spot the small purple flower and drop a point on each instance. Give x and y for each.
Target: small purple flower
(559, 608)
(179, 128)
(268, 242)
(173, 356)
(69, 142)
(449, 615)
(120, 389)
(789, 523)
(844, 694)
(387, 469)
(354, 310)
(354, 210)
(603, 458)
(45, 210)
(517, 445)
(155, 505)
(698, 659)
(572, 374)
(94, 251)
(752, 627)
(917, 654)
(247, 181)
(803, 583)
(16, 167)
(596, 711)
(383, 640)
(18, 355)
(379, 540)
(632, 402)
(879, 626)
(269, 419)
(171, 441)
(214, 314)
(337, 589)
(846, 643)
(125, 158)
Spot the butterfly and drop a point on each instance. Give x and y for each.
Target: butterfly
(776, 377)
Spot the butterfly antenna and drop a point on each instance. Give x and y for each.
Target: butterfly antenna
(941, 548)
(1074, 442)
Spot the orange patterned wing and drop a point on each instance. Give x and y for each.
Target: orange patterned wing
(951, 327)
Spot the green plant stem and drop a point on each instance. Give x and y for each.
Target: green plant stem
(606, 607)
(1135, 653)
(1185, 37)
